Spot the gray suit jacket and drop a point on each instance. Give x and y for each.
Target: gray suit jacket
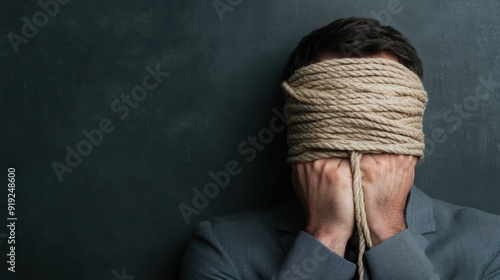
(443, 241)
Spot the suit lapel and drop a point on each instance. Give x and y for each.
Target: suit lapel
(420, 212)
(419, 216)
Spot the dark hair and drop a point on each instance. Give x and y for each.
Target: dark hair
(353, 37)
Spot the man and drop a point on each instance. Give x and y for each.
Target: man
(314, 236)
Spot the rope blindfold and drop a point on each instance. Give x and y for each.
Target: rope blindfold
(351, 106)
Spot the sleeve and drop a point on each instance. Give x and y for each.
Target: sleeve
(308, 258)
(493, 270)
(400, 257)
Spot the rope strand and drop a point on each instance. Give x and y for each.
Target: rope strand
(359, 211)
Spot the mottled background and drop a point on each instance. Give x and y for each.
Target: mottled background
(116, 214)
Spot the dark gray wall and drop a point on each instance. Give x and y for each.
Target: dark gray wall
(118, 208)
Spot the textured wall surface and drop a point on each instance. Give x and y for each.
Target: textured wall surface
(117, 113)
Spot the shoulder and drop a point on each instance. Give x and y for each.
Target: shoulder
(467, 234)
(458, 238)
(446, 217)
(256, 226)
(224, 246)
(247, 237)
(229, 226)
(468, 220)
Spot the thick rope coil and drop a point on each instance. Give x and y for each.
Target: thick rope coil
(351, 106)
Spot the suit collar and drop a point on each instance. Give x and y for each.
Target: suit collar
(419, 217)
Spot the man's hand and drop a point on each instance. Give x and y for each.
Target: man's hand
(324, 188)
(387, 180)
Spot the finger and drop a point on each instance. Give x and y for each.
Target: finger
(375, 158)
(394, 160)
(410, 161)
(317, 165)
(298, 174)
(384, 158)
(330, 162)
(415, 160)
(333, 162)
(295, 171)
(344, 163)
(367, 161)
(297, 168)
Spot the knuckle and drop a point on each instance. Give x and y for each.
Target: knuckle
(317, 165)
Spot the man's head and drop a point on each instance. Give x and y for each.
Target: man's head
(353, 37)
(354, 103)
(353, 85)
